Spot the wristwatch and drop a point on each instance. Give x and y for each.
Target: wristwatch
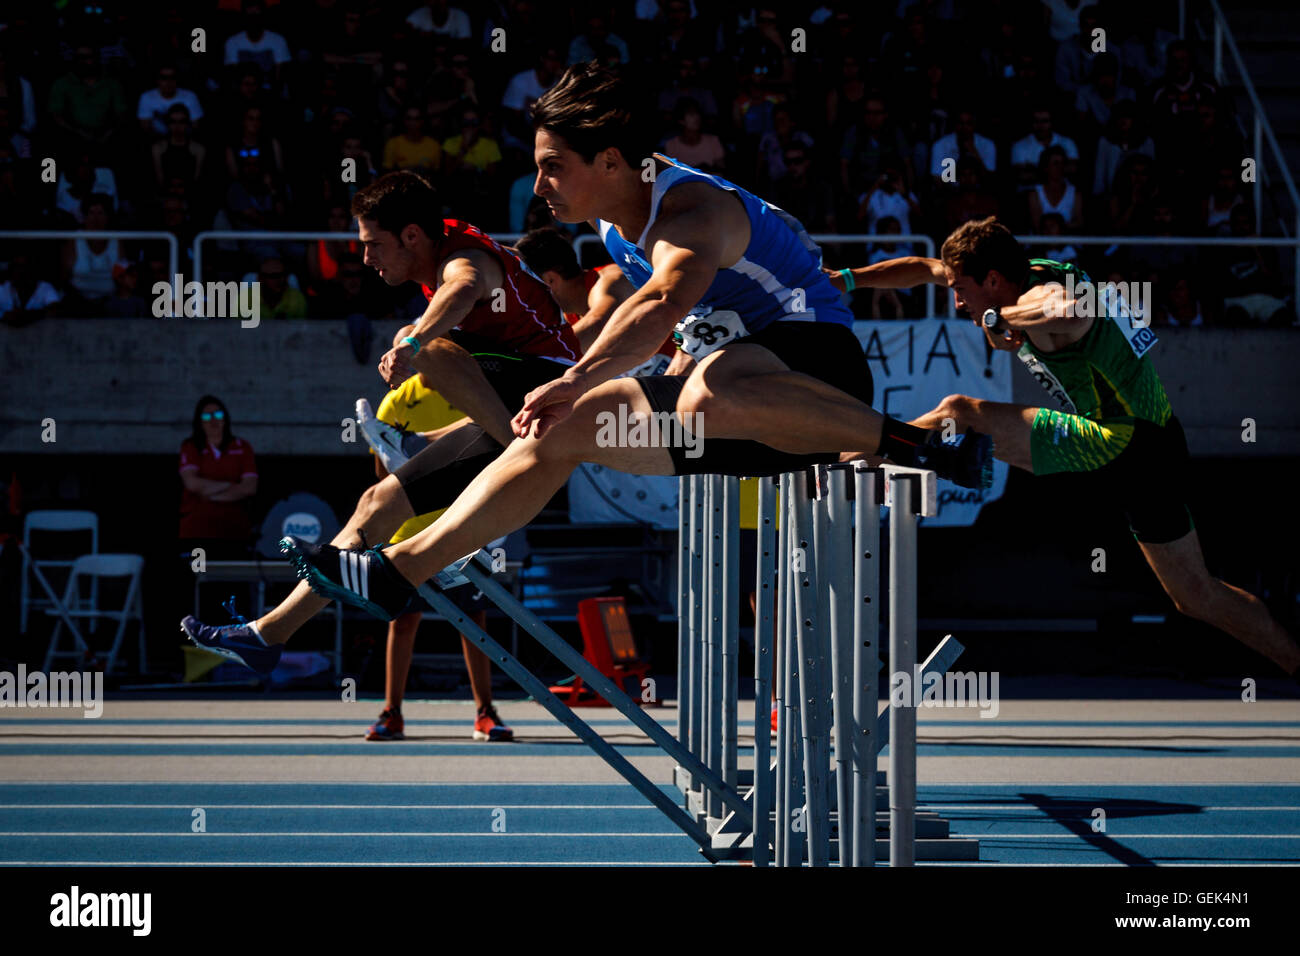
(991, 318)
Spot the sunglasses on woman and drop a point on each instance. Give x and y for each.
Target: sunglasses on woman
(209, 416)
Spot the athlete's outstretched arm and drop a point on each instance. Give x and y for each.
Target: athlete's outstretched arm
(901, 273)
(1044, 308)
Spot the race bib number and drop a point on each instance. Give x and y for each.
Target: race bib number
(703, 334)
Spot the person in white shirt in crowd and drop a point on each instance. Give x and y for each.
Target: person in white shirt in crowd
(259, 46)
(25, 296)
(81, 179)
(522, 91)
(440, 18)
(962, 141)
(152, 108)
(1026, 152)
(88, 263)
(1055, 193)
(889, 198)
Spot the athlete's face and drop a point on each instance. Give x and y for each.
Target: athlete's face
(971, 298)
(385, 254)
(571, 187)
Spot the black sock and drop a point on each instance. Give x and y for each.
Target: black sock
(899, 441)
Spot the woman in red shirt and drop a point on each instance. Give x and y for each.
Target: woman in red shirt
(220, 477)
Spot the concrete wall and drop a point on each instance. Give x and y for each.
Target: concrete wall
(131, 385)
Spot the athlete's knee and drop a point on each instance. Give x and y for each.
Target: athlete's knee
(378, 498)
(1191, 598)
(699, 402)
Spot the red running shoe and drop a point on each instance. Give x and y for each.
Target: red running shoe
(488, 726)
(389, 726)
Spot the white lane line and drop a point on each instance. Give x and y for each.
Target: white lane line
(1034, 807)
(328, 806)
(322, 833)
(350, 863)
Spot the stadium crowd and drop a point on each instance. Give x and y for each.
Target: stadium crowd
(244, 115)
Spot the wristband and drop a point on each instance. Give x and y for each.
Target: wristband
(849, 282)
(414, 343)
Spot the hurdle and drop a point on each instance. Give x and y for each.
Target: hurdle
(818, 616)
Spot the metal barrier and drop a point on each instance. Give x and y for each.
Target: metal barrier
(817, 616)
(173, 248)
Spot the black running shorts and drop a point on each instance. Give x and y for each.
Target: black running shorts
(824, 350)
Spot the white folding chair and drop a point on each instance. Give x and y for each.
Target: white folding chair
(96, 566)
(61, 521)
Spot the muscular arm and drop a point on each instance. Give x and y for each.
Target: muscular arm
(466, 280)
(901, 273)
(687, 246)
(1044, 308)
(609, 292)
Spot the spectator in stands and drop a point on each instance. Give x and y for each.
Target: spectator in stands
(324, 255)
(252, 202)
(22, 205)
(1053, 224)
(1225, 196)
(1122, 137)
(1133, 196)
(279, 300)
(1251, 278)
(1175, 105)
(1099, 95)
(16, 90)
(686, 85)
(449, 91)
(153, 110)
(751, 111)
(176, 218)
(414, 148)
(1062, 19)
(1054, 192)
(1026, 153)
(871, 144)
(889, 198)
(772, 147)
(88, 263)
(1216, 137)
(260, 47)
(394, 97)
(963, 141)
(470, 149)
(597, 35)
(1180, 305)
(124, 303)
(806, 197)
(972, 198)
(80, 179)
(522, 91)
(767, 45)
(844, 100)
(88, 107)
(350, 148)
(889, 303)
(353, 53)
(177, 159)
(683, 37)
(438, 17)
(691, 145)
(1143, 52)
(1074, 56)
(255, 143)
(907, 51)
(13, 138)
(24, 295)
(929, 117)
(219, 478)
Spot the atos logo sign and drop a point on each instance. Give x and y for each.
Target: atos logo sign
(302, 524)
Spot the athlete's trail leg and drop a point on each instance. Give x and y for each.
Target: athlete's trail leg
(380, 511)
(1180, 566)
(462, 383)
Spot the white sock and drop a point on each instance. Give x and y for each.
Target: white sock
(253, 628)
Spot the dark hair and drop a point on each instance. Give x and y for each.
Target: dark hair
(977, 247)
(1045, 158)
(197, 435)
(544, 250)
(595, 107)
(396, 200)
(97, 199)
